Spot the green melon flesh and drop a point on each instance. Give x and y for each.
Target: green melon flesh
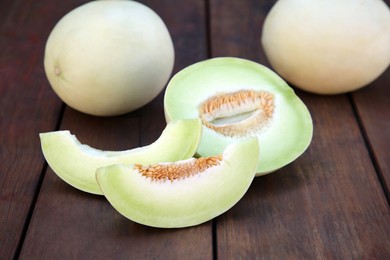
(181, 202)
(284, 138)
(76, 163)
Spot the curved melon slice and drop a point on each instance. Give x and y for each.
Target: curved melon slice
(236, 98)
(76, 163)
(183, 193)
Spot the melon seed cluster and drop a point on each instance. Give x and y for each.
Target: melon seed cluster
(177, 171)
(257, 105)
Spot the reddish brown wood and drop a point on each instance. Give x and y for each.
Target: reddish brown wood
(327, 204)
(28, 107)
(373, 106)
(235, 28)
(73, 224)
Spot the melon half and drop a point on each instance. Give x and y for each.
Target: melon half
(183, 193)
(76, 163)
(236, 99)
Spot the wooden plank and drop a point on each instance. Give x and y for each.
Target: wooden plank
(372, 104)
(328, 203)
(76, 225)
(228, 37)
(28, 107)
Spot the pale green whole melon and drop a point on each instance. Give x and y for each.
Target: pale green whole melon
(328, 46)
(108, 58)
(183, 193)
(236, 99)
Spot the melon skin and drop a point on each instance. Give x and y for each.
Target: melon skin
(328, 47)
(76, 163)
(287, 136)
(185, 202)
(108, 58)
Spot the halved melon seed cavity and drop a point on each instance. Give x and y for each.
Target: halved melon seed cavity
(240, 113)
(182, 193)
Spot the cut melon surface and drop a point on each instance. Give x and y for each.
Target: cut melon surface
(183, 193)
(76, 163)
(237, 98)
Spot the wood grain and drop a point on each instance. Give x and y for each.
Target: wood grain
(372, 104)
(28, 107)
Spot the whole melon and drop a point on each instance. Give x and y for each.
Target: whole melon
(108, 58)
(328, 46)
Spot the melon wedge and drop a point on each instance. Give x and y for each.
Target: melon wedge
(183, 193)
(76, 163)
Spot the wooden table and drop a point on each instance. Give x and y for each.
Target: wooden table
(331, 203)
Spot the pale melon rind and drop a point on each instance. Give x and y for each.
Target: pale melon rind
(76, 163)
(282, 141)
(185, 202)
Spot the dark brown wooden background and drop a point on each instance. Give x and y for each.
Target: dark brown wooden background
(331, 203)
